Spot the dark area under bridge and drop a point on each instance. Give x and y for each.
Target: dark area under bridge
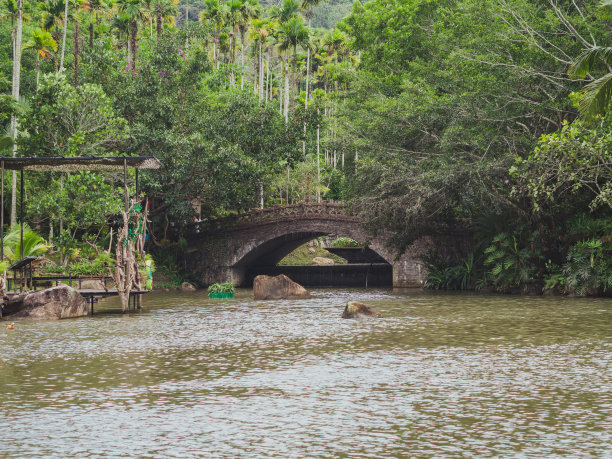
(351, 275)
(365, 268)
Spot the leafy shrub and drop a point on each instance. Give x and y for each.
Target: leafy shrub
(57, 269)
(510, 263)
(97, 267)
(588, 269)
(225, 287)
(444, 276)
(342, 242)
(33, 243)
(584, 226)
(554, 277)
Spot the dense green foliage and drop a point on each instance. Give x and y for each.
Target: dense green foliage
(423, 115)
(225, 287)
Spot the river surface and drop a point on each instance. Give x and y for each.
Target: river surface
(440, 375)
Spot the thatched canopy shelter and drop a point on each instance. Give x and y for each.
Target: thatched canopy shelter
(68, 164)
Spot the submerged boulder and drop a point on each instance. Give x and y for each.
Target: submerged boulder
(354, 310)
(61, 302)
(187, 287)
(278, 288)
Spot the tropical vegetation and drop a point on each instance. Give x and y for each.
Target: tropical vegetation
(424, 116)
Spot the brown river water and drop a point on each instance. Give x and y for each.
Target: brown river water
(444, 375)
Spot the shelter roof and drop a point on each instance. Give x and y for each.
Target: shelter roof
(79, 163)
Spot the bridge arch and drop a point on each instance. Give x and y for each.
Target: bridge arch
(225, 252)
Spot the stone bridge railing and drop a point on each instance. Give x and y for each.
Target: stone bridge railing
(255, 217)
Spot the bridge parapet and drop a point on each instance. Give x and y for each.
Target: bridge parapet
(267, 215)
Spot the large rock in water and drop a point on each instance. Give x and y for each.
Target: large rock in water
(354, 310)
(278, 288)
(61, 302)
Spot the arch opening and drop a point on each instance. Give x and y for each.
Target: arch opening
(371, 269)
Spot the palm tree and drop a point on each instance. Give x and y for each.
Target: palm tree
(163, 11)
(248, 10)
(64, 35)
(12, 11)
(307, 7)
(292, 34)
(78, 18)
(95, 7)
(121, 22)
(287, 10)
(334, 42)
(53, 18)
(15, 95)
(261, 29)
(133, 10)
(42, 43)
(234, 16)
(216, 14)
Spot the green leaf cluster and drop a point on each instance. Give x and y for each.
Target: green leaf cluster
(225, 287)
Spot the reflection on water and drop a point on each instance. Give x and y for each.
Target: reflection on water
(439, 375)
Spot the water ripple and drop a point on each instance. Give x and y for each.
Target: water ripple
(439, 375)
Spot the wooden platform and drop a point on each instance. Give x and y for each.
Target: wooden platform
(89, 292)
(92, 295)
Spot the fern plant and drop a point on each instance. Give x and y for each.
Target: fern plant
(588, 269)
(509, 264)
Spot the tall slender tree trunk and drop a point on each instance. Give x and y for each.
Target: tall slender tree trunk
(242, 62)
(280, 98)
(287, 186)
(37, 71)
(133, 44)
(15, 94)
(91, 35)
(256, 70)
(267, 80)
(261, 73)
(76, 52)
(287, 90)
(64, 36)
(261, 195)
(61, 221)
(318, 166)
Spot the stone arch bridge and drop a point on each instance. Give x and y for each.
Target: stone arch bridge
(227, 248)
